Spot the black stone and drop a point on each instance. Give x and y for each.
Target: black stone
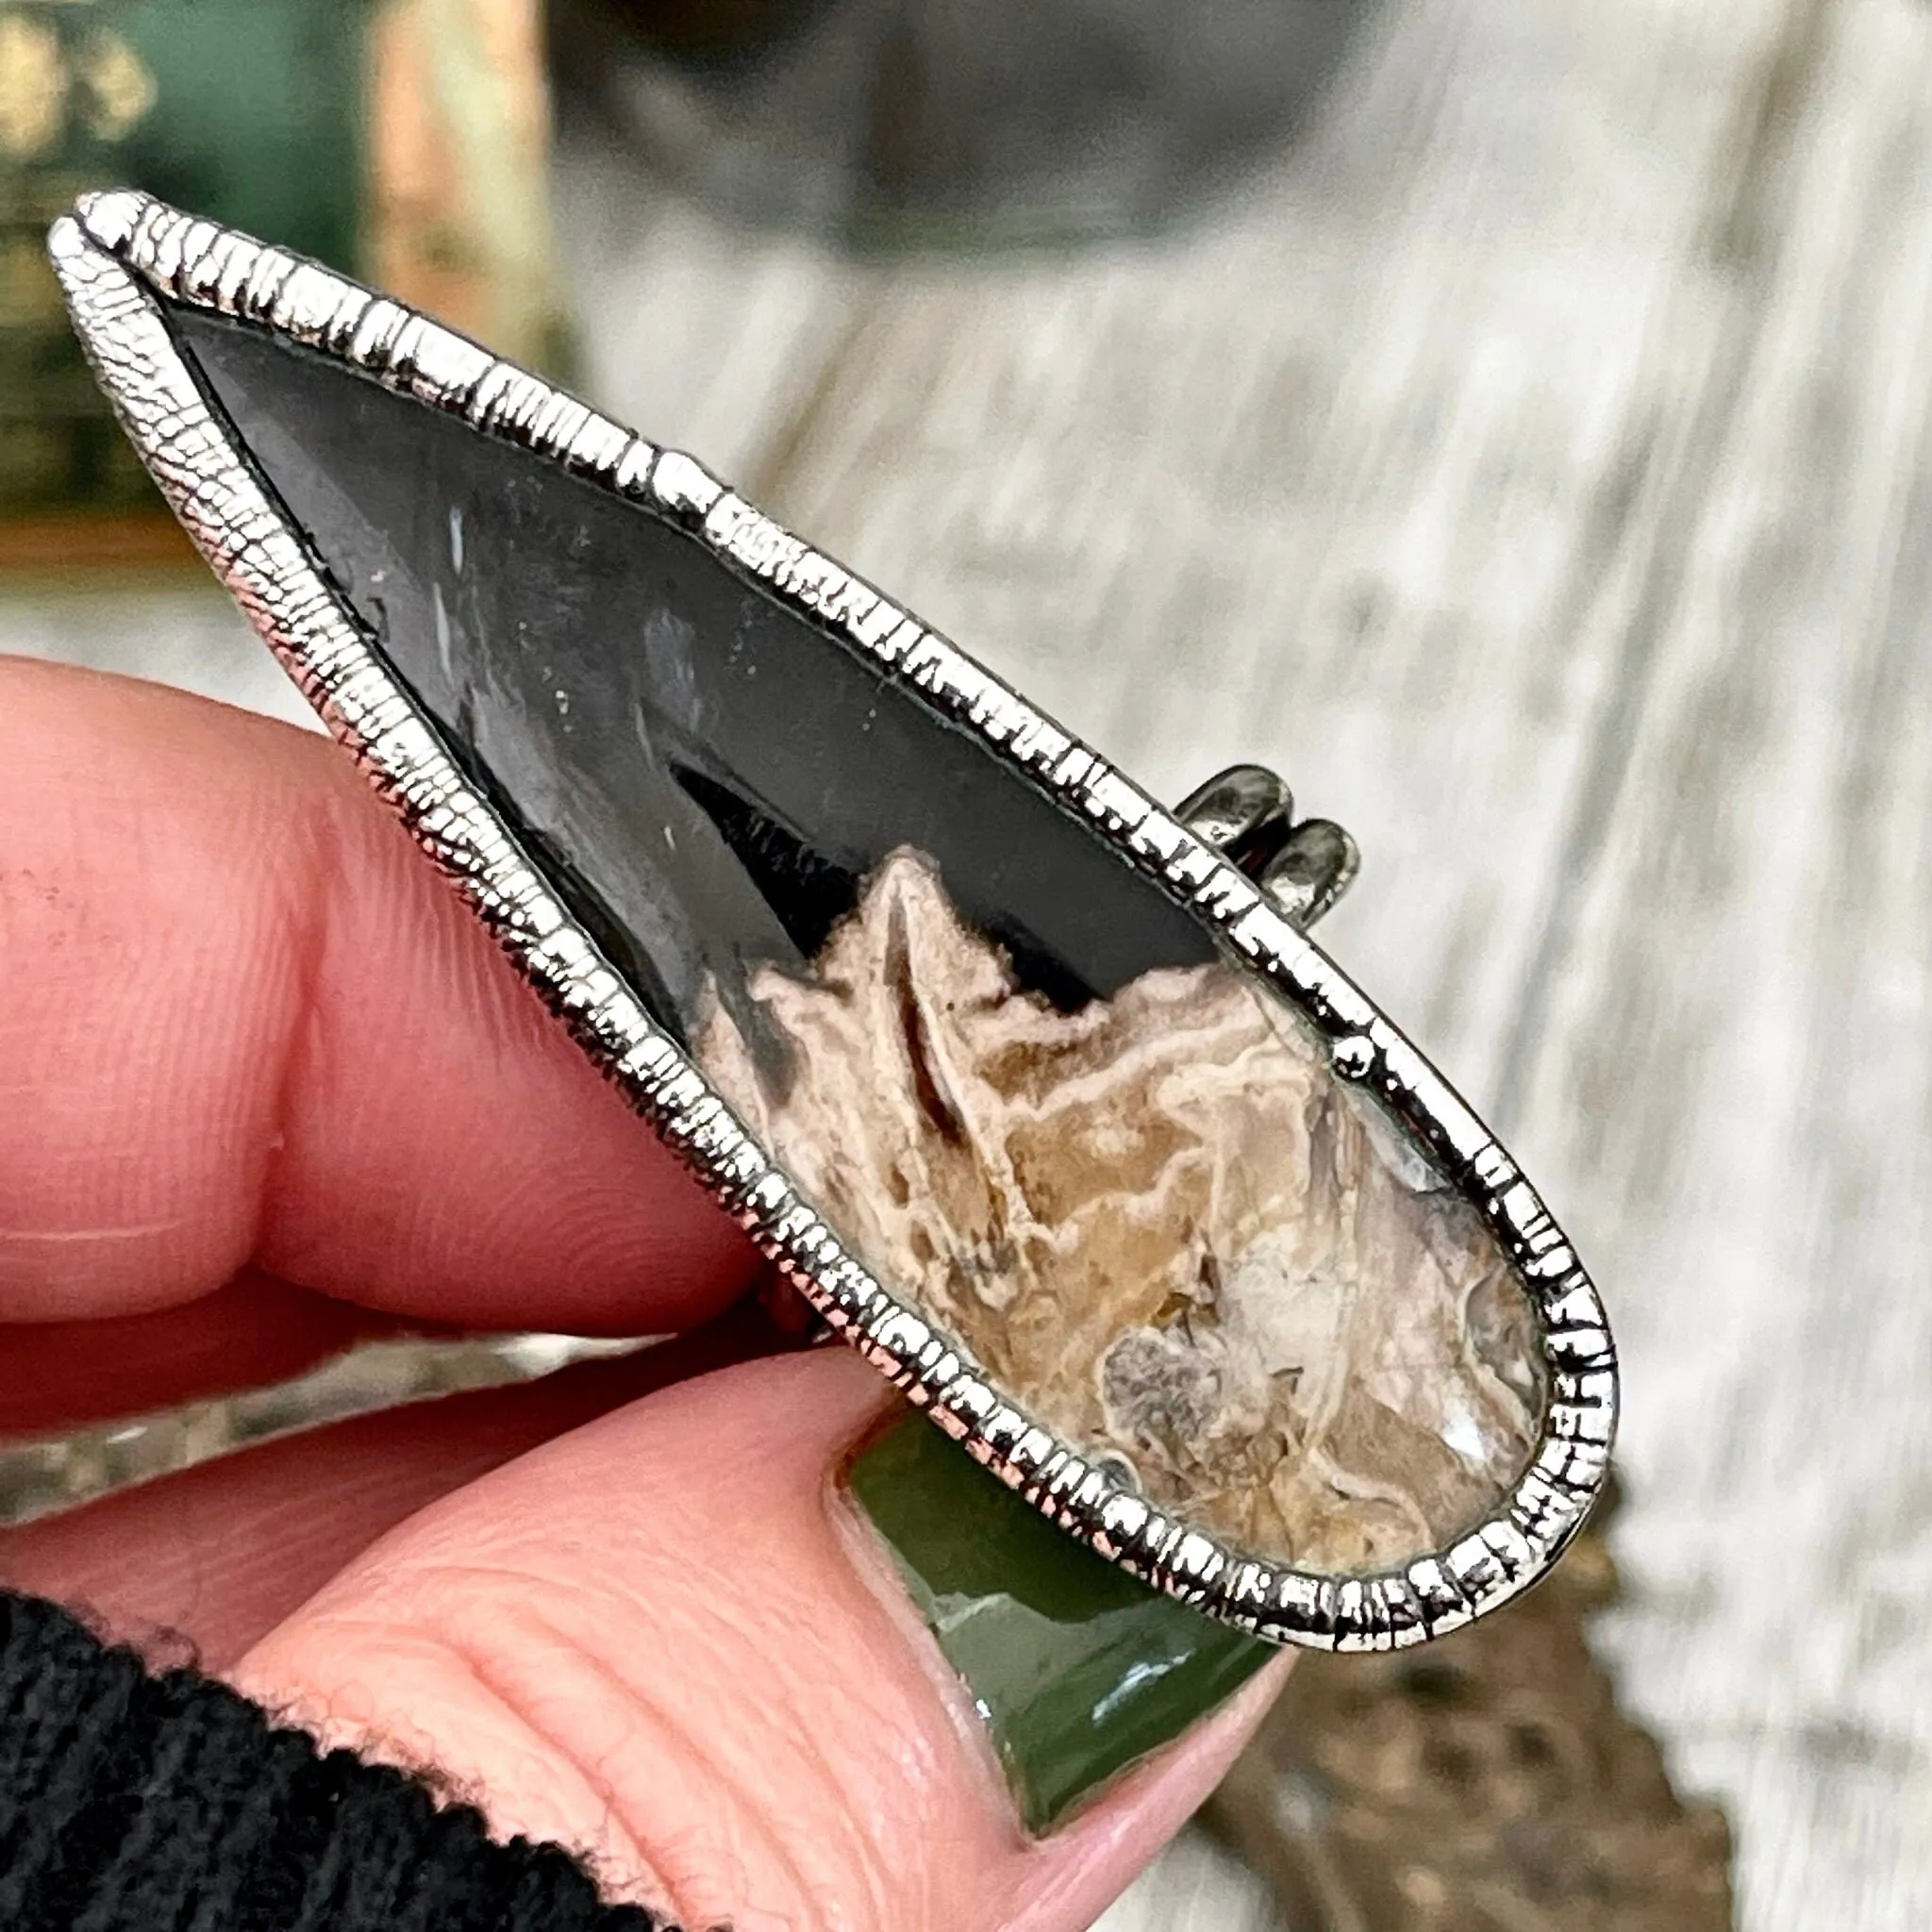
(706, 775)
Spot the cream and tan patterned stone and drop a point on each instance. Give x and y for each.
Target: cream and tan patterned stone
(1160, 1223)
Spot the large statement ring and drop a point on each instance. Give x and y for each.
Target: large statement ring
(1039, 1093)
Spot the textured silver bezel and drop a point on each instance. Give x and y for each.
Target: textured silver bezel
(119, 249)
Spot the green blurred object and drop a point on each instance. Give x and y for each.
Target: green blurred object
(1078, 1671)
(257, 112)
(402, 141)
(247, 112)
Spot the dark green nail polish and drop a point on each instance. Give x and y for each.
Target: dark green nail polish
(1078, 1670)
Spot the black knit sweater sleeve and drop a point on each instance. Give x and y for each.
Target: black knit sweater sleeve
(167, 1803)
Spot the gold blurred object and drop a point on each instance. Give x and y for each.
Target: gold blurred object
(1488, 1783)
(404, 141)
(33, 87)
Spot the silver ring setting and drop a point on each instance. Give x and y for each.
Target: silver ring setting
(1232, 858)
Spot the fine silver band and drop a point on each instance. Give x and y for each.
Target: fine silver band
(1247, 815)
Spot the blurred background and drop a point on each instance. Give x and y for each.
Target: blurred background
(1512, 419)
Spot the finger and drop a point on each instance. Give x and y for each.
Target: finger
(242, 1020)
(665, 1641)
(252, 1333)
(215, 1557)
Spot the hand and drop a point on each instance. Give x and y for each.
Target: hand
(268, 1086)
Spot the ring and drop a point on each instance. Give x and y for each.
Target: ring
(1040, 1094)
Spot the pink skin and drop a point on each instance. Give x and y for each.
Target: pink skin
(251, 1048)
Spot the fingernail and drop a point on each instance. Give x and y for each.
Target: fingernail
(1078, 1670)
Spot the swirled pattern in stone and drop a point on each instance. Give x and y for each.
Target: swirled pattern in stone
(1158, 1222)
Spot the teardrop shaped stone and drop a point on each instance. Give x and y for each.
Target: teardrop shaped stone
(1023, 1084)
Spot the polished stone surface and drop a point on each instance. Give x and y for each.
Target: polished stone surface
(708, 775)
(1011, 1072)
(1159, 1221)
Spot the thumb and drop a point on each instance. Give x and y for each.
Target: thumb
(670, 1643)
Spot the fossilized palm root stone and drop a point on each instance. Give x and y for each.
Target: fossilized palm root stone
(1159, 1225)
